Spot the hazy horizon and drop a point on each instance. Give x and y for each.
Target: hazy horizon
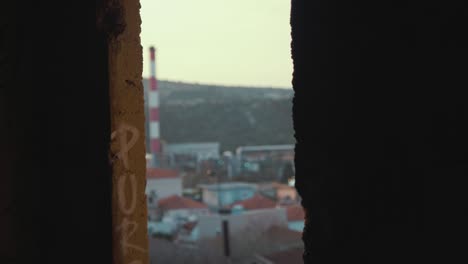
(219, 84)
(224, 43)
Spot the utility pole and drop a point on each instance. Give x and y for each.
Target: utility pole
(219, 192)
(227, 251)
(224, 222)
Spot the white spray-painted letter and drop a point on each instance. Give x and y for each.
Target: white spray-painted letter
(121, 184)
(128, 228)
(125, 145)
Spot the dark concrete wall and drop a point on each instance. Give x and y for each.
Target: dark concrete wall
(127, 149)
(380, 117)
(55, 134)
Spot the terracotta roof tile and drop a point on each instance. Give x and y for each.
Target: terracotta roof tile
(283, 234)
(177, 202)
(158, 173)
(286, 256)
(295, 213)
(278, 185)
(256, 202)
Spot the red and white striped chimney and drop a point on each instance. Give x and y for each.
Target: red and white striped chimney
(154, 109)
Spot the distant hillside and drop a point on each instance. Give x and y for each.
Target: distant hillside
(233, 116)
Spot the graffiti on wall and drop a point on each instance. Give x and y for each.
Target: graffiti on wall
(127, 136)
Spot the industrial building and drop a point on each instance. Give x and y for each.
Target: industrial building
(272, 160)
(191, 154)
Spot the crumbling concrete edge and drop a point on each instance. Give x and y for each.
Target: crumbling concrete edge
(120, 19)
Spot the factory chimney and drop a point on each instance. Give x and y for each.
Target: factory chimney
(153, 97)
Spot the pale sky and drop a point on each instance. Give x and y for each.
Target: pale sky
(226, 42)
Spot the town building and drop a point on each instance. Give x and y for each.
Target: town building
(161, 183)
(296, 217)
(282, 193)
(224, 194)
(180, 208)
(256, 202)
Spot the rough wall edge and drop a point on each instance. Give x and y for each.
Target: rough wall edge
(120, 20)
(297, 50)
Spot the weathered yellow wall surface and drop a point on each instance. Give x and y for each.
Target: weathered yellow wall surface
(129, 214)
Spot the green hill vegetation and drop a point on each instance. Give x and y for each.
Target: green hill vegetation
(233, 116)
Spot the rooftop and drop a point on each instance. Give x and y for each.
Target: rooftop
(228, 185)
(272, 240)
(274, 185)
(175, 202)
(286, 256)
(295, 213)
(256, 202)
(286, 236)
(158, 173)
